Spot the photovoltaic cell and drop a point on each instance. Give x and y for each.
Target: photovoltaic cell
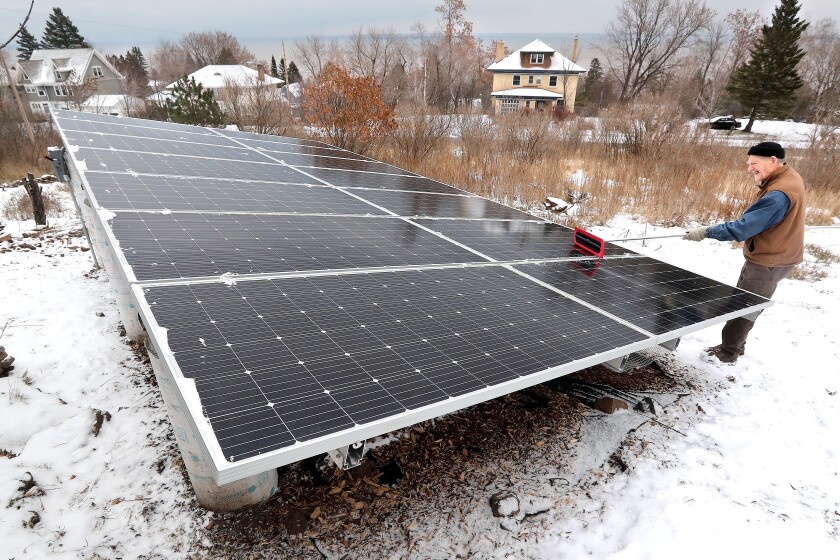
(271, 147)
(441, 206)
(510, 241)
(342, 178)
(330, 352)
(152, 192)
(168, 246)
(653, 295)
(162, 164)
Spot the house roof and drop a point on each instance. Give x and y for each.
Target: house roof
(217, 76)
(111, 100)
(527, 92)
(44, 62)
(559, 63)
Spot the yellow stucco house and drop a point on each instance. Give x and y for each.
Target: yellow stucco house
(536, 76)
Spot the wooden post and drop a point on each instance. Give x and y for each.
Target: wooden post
(34, 191)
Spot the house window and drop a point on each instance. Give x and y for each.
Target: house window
(552, 81)
(537, 58)
(25, 75)
(38, 106)
(58, 75)
(535, 80)
(30, 89)
(61, 91)
(509, 105)
(97, 71)
(517, 79)
(42, 91)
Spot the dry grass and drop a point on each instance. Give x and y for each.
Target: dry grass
(640, 160)
(19, 206)
(18, 156)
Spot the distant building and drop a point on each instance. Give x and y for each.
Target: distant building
(216, 77)
(116, 105)
(535, 76)
(64, 78)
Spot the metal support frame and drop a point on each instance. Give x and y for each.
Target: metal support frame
(349, 456)
(637, 359)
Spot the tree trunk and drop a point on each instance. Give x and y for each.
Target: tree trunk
(34, 191)
(748, 128)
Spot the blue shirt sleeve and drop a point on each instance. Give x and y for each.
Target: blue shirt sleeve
(765, 213)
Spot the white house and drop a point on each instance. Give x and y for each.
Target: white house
(216, 77)
(59, 77)
(117, 105)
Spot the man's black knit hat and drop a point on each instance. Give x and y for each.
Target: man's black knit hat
(767, 149)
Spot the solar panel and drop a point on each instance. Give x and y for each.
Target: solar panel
(124, 191)
(316, 297)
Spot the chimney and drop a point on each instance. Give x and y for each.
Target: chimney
(575, 49)
(500, 50)
(261, 72)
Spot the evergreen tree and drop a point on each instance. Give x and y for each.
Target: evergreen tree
(60, 33)
(192, 104)
(593, 85)
(26, 44)
(281, 69)
(134, 68)
(274, 72)
(294, 73)
(766, 83)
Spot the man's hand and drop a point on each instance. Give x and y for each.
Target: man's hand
(697, 234)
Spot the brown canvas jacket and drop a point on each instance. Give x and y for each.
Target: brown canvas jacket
(782, 244)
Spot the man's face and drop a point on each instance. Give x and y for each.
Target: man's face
(760, 167)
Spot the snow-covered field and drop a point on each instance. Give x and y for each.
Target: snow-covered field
(748, 467)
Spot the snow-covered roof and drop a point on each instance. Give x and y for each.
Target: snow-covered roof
(110, 100)
(558, 62)
(527, 92)
(43, 63)
(217, 76)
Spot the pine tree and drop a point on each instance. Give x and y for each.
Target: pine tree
(766, 83)
(192, 104)
(274, 73)
(134, 68)
(26, 44)
(593, 85)
(60, 33)
(281, 70)
(294, 73)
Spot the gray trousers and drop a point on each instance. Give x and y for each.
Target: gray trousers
(759, 280)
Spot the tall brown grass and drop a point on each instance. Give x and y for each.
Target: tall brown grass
(642, 160)
(18, 156)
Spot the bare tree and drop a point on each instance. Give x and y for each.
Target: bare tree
(820, 70)
(215, 47)
(255, 106)
(169, 62)
(646, 36)
(315, 52)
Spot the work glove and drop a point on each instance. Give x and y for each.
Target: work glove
(697, 234)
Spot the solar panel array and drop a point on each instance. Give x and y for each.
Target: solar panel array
(365, 297)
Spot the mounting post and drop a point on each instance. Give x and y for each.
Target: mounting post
(348, 457)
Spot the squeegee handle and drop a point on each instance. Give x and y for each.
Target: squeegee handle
(644, 238)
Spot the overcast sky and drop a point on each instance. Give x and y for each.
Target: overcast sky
(145, 22)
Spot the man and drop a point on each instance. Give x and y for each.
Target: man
(773, 232)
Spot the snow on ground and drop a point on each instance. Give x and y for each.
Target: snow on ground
(757, 473)
(115, 494)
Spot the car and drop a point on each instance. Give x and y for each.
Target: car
(724, 122)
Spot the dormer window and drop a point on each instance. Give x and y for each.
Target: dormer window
(537, 58)
(25, 75)
(58, 75)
